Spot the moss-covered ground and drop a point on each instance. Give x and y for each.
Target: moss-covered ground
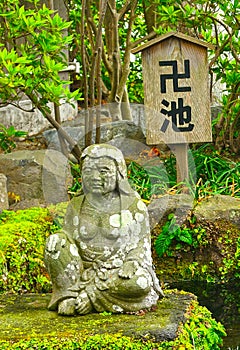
(27, 315)
(178, 322)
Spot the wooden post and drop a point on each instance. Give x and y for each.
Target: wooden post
(181, 153)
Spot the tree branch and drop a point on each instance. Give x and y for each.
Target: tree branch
(74, 148)
(126, 61)
(145, 38)
(124, 9)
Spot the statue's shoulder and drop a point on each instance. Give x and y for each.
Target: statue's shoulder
(133, 203)
(75, 203)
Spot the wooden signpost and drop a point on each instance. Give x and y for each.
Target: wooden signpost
(176, 94)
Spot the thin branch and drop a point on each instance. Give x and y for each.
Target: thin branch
(83, 53)
(104, 57)
(98, 44)
(145, 38)
(124, 9)
(88, 133)
(218, 52)
(110, 8)
(219, 22)
(115, 53)
(126, 62)
(99, 97)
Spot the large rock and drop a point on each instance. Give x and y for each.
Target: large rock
(37, 177)
(109, 131)
(33, 122)
(219, 207)
(213, 255)
(159, 208)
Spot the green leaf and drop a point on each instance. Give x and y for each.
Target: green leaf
(185, 237)
(161, 244)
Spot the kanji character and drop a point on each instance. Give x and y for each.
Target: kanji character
(175, 76)
(183, 113)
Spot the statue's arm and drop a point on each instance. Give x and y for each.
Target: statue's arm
(58, 240)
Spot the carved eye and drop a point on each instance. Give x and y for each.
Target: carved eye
(87, 171)
(104, 171)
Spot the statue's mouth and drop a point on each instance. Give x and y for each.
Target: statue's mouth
(97, 185)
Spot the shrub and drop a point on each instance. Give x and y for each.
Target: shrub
(7, 137)
(22, 240)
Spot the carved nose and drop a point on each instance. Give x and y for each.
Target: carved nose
(96, 175)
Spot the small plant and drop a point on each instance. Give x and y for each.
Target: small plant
(148, 181)
(7, 137)
(172, 231)
(231, 263)
(139, 180)
(14, 197)
(77, 181)
(201, 329)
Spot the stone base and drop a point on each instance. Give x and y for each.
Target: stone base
(28, 315)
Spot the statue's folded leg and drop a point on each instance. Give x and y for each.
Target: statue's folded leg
(64, 266)
(116, 294)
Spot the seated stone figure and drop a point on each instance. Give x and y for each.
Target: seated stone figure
(101, 259)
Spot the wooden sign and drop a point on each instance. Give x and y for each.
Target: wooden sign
(176, 92)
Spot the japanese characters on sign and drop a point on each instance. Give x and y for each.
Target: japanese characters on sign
(178, 114)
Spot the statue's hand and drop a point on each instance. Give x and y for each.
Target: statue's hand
(55, 242)
(128, 269)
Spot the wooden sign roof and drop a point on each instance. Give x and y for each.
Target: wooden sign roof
(173, 34)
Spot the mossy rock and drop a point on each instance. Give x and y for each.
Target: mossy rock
(214, 259)
(25, 320)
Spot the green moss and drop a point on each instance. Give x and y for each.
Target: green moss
(57, 212)
(200, 331)
(26, 324)
(22, 240)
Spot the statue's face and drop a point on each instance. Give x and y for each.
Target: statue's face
(99, 175)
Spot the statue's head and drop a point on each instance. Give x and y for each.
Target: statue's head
(104, 169)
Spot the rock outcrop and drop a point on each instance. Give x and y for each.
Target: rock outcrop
(219, 207)
(36, 177)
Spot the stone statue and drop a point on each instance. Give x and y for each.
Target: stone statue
(101, 259)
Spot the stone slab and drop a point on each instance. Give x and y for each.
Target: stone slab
(219, 207)
(26, 316)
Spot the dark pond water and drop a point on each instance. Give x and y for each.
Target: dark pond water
(223, 300)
